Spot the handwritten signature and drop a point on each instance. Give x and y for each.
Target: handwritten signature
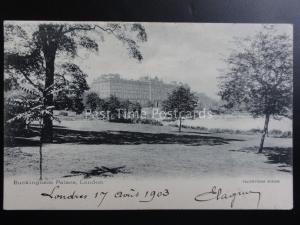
(218, 194)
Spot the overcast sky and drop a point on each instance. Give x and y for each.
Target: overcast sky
(191, 53)
(185, 52)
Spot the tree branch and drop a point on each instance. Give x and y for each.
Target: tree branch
(90, 28)
(31, 82)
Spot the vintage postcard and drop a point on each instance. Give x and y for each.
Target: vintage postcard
(124, 115)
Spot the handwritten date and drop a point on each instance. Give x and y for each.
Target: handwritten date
(101, 196)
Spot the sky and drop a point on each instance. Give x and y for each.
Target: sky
(191, 53)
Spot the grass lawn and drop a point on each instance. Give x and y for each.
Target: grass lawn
(148, 151)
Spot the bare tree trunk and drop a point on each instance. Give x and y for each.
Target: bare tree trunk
(265, 131)
(180, 123)
(49, 40)
(41, 152)
(48, 124)
(41, 161)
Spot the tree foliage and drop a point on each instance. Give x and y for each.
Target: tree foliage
(30, 54)
(259, 76)
(92, 100)
(181, 101)
(31, 107)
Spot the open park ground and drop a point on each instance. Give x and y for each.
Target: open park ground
(148, 151)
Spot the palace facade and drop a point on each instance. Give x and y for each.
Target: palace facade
(145, 90)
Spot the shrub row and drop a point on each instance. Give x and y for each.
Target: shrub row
(272, 133)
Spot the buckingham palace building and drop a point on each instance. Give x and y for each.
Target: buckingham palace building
(144, 90)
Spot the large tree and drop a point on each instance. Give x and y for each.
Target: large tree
(74, 84)
(92, 100)
(180, 102)
(30, 54)
(112, 105)
(259, 77)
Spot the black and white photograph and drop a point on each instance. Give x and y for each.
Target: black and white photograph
(148, 115)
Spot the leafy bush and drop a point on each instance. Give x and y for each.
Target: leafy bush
(121, 120)
(15, 102)
(220, 130)
(62, 113)
(151, 121)
(254, 131)
(201, 128)
(275, 132)
(287, 134)
(238, 131)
